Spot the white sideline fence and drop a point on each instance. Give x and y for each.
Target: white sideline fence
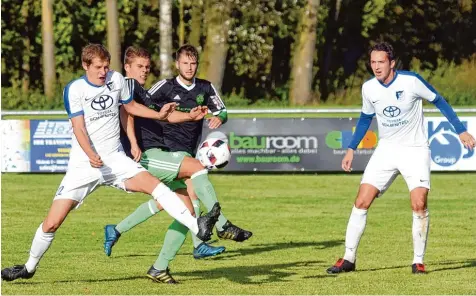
(245, 111)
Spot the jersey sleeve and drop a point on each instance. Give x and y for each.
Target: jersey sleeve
(367, 106)
(215, 103)
(72, 100)
(139, 94)
(424, 90)
(126, 91)
(157, 95)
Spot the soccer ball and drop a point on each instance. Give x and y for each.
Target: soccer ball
(218, 135)
(214, 153)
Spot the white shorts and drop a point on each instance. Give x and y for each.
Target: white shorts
(413, 163)
(82, 180)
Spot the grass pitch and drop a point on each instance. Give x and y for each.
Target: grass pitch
(298, 222)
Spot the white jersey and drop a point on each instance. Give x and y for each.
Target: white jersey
(100, 107)
(398, 108)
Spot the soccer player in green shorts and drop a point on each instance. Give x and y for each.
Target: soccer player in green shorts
(168, 166)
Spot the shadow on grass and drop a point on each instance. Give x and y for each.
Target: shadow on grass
(244, 274)
(432, 266)
(265, 248)
(239, 274)
(464, 264)
(257, 249)
(266, 273)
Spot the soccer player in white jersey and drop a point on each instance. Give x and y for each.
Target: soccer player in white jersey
(97, 157)
(395, 98)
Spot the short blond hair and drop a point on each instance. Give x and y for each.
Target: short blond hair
(92, 51)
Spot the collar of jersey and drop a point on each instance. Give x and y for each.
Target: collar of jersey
(187, 87)
(390, 83)
(90, 83)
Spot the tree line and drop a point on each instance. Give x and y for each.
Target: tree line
(297, 51)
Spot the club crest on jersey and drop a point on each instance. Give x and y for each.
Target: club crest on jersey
(110, 85)
(200, 99)
(399, 94)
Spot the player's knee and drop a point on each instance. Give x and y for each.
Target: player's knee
(363, 204)
(190, 166)
(50, 225)
(196, 165)
(419, 205)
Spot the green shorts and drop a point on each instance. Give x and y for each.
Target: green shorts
(165, 166)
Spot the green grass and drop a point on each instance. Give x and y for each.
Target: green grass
(298, 222)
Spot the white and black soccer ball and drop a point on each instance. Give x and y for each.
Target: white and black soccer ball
(217, 135)
(214, 153)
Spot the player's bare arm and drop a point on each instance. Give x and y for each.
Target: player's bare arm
(79, 130)
(196, 114)
(140, 110)
(127, 122)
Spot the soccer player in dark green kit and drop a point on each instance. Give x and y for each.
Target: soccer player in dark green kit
(167, 152)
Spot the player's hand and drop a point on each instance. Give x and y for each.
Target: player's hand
(214, 122)
(198, 113)
(136, 153)
(468, 140)
(166, 110)
(95, 161)
(347, 160)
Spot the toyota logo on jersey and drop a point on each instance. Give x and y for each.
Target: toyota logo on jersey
(391, 111)
(102, 103)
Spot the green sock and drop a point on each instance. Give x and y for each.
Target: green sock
(174, 239)
(142, 213)
(206, 193)
(196, 206)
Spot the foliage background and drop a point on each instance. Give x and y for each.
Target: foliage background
(436, 38)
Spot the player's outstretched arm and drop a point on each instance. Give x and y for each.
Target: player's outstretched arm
(196, 114)
(140, 110)
(79, 130)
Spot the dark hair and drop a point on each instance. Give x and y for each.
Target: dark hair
(135, 52)
(92, 51)
(187, 49)
(383, 46)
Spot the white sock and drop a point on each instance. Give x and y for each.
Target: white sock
(173, 205)
(355, 229)
(40, 244)
(420, 226)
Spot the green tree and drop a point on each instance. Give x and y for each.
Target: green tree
(303, 60)
(196, 24)
(165, 38)
(49, 70)
(113, 35)
(216, 46)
